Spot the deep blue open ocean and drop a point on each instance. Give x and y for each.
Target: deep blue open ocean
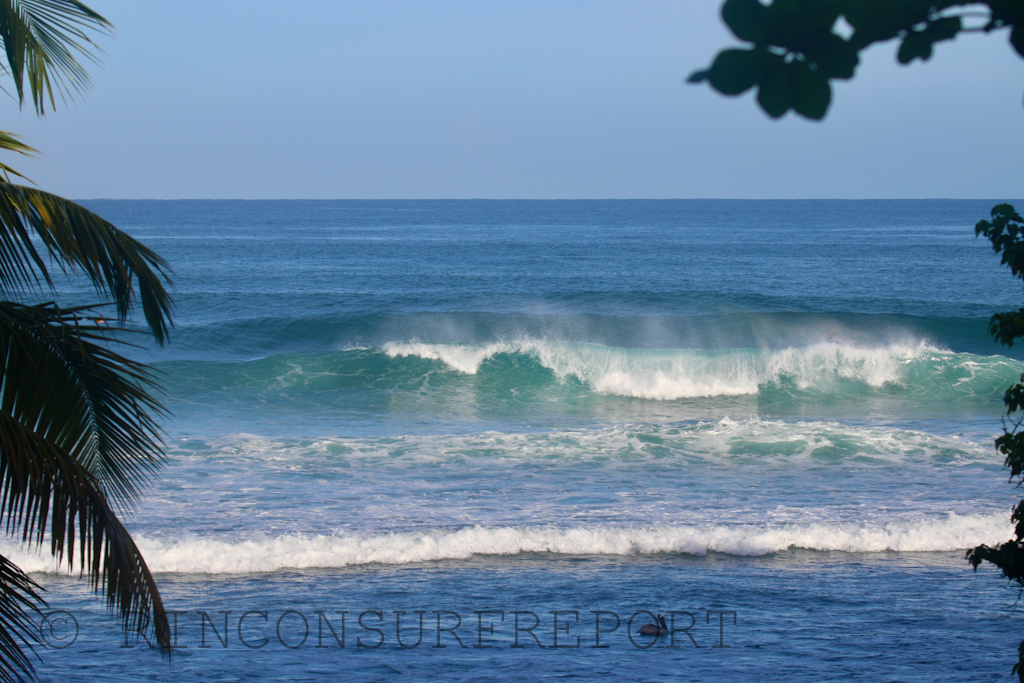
(531, 423)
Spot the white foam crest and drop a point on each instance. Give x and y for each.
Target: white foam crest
(670, 374)
(460, 357)
(653, 374)
(818, 366)
(213, 556)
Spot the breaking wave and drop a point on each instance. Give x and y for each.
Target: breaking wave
(213, 556)
(564, 371)
(684, 373)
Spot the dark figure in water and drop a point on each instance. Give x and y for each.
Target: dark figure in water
(652, 630)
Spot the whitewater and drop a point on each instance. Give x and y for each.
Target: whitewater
(775, 417)
(674, 374)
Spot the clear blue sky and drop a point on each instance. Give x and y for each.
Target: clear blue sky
(514, 99)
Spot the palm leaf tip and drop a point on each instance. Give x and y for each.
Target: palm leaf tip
(78, 240)
(45, 490)
(12, 143)
(20, 605)
(41, 39)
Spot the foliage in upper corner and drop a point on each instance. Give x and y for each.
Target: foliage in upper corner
(800, 46)
(41, 39)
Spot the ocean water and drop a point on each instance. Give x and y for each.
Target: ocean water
(530, 426)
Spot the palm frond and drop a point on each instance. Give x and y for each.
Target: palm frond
(61, 378)
(44, 490)
(41, 39)
(11, 143)
(76, 418)
(19, 603)
(77, 239)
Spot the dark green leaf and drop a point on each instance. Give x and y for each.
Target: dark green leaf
(698, 76)
(834, 57)
(796, 21)
(1006, 233)
(919, 44)
(736, 71)
(1007, 327)
(747, 19)
(875, 21)
(944, 29)
(779, 91)
(815, 94)
(914, 46)
(1017, 39)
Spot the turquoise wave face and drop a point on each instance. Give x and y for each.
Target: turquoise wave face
(536, 377)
